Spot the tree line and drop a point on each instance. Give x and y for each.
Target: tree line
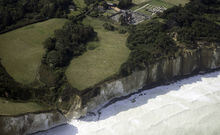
(192, 22)
(16, 13)
(152, 41)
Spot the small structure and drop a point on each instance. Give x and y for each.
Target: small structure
(155, 10)
(124, 16)
(116, 9)
(111, 4)
(130, 17)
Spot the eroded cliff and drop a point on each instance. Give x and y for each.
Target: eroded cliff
(166, 70)
(30, 123)
(163, 71)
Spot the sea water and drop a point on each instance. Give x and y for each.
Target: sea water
(187, 107)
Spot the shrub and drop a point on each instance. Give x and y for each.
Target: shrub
(122, 31)
(108, 26)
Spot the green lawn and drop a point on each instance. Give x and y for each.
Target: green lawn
(159, 3)
(16, 108)
(100, 63)
(137, 2)
(177, 2)
(21, 50)
(113, 1)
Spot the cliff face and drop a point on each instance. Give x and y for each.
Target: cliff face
(30, 123)
(166, 70)
(193, 62)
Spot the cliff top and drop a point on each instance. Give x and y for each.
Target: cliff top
(17, 108)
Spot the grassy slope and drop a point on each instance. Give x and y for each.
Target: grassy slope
(21, 50)
(159, 3)
(16, 108)
(96, 65)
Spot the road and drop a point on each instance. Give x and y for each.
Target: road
(141, 7)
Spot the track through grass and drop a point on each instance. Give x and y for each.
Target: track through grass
(100, 63)
(21, 50)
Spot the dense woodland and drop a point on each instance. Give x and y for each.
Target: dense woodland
(88, 2)
(197, 21)
(68, 42)
(124, 4)
(17, 13)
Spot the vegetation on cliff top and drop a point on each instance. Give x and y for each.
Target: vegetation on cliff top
(181, 27)
(68, 42)
(17, 108)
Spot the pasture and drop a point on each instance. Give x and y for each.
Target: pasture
(97, 64)
(21, 50)
(177, 2)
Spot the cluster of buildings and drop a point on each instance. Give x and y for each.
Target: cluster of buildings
(129, 16)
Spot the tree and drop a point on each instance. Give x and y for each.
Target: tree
(16, 13)
(122, 20)
(124, 3)
(108, 26)
(68, 42)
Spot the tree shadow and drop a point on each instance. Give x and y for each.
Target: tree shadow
(109, 109)
(65, 129)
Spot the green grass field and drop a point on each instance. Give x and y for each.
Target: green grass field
(159, 3)
(177, 2)
(113, 1)
(16, 108)
(137, 2)
(100, 63)
(21, 50)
